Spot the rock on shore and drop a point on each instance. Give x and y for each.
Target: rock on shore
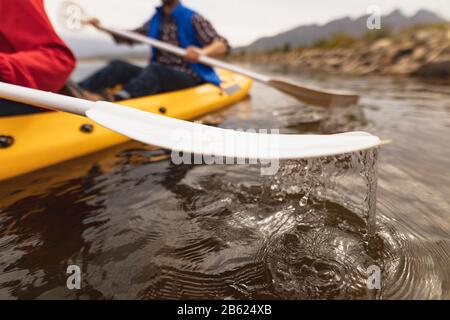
(423, 52)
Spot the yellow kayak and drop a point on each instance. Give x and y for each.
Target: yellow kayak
(40, 140)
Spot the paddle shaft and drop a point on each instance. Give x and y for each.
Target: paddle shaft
(306, 94)
(182, 52)
(300, 92)
(44, 99)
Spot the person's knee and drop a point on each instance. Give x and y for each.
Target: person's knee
(117, 64)
(156, 68)
(152, 70)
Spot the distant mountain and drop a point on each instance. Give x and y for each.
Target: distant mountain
(308, 34)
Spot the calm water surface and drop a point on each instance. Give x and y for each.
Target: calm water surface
(140, 227)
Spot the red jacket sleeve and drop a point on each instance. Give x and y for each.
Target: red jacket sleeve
(32, 55)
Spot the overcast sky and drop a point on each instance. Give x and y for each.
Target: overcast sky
(242, 21)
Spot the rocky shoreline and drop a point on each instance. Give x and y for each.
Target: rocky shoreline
(423, 52)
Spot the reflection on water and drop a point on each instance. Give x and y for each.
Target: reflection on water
(140, 227)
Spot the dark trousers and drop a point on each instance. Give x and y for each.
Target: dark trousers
(11, 108)
(137, 81)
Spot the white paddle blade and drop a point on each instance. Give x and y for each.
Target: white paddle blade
(196, 138)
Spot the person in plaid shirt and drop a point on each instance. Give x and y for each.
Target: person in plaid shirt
(175, 24)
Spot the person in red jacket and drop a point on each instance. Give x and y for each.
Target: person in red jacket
(31, 53)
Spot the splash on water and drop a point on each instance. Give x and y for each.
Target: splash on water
(326, 253)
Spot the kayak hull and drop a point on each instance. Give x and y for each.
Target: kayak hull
(43, 139)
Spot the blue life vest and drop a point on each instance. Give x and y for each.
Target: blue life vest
(186, 36)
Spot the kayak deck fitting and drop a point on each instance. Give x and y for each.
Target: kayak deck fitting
(35, 141)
